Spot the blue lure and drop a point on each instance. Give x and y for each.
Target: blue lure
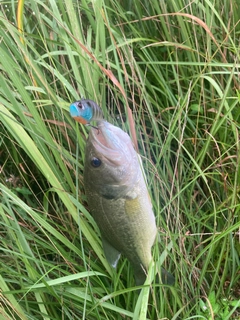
(85, 111)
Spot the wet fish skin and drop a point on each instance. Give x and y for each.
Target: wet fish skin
(118, 198)
(117, 195)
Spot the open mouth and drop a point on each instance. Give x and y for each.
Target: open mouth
(107, 144)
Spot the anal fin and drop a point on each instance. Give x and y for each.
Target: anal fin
(112, 255)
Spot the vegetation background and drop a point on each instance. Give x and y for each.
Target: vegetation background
(172, 69)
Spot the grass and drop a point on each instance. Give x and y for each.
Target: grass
(167, 73)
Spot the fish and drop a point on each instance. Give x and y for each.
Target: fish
(116, 190)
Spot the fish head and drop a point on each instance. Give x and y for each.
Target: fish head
(111, 163)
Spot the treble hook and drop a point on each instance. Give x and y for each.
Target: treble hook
(94, 127)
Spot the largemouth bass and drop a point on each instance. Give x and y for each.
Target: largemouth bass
(117, 195)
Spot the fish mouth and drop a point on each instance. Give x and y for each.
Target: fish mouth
(111, 142)
(115, 149)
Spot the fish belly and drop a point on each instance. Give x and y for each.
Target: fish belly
(127, 226)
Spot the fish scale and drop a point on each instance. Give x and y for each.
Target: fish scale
(117, 194)
(128, 229)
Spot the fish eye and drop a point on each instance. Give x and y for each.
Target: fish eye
(80, 105)
(95, 162)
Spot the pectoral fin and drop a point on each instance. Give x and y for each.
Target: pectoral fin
(111, 254)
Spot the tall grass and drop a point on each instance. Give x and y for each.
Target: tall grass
(172, 68)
